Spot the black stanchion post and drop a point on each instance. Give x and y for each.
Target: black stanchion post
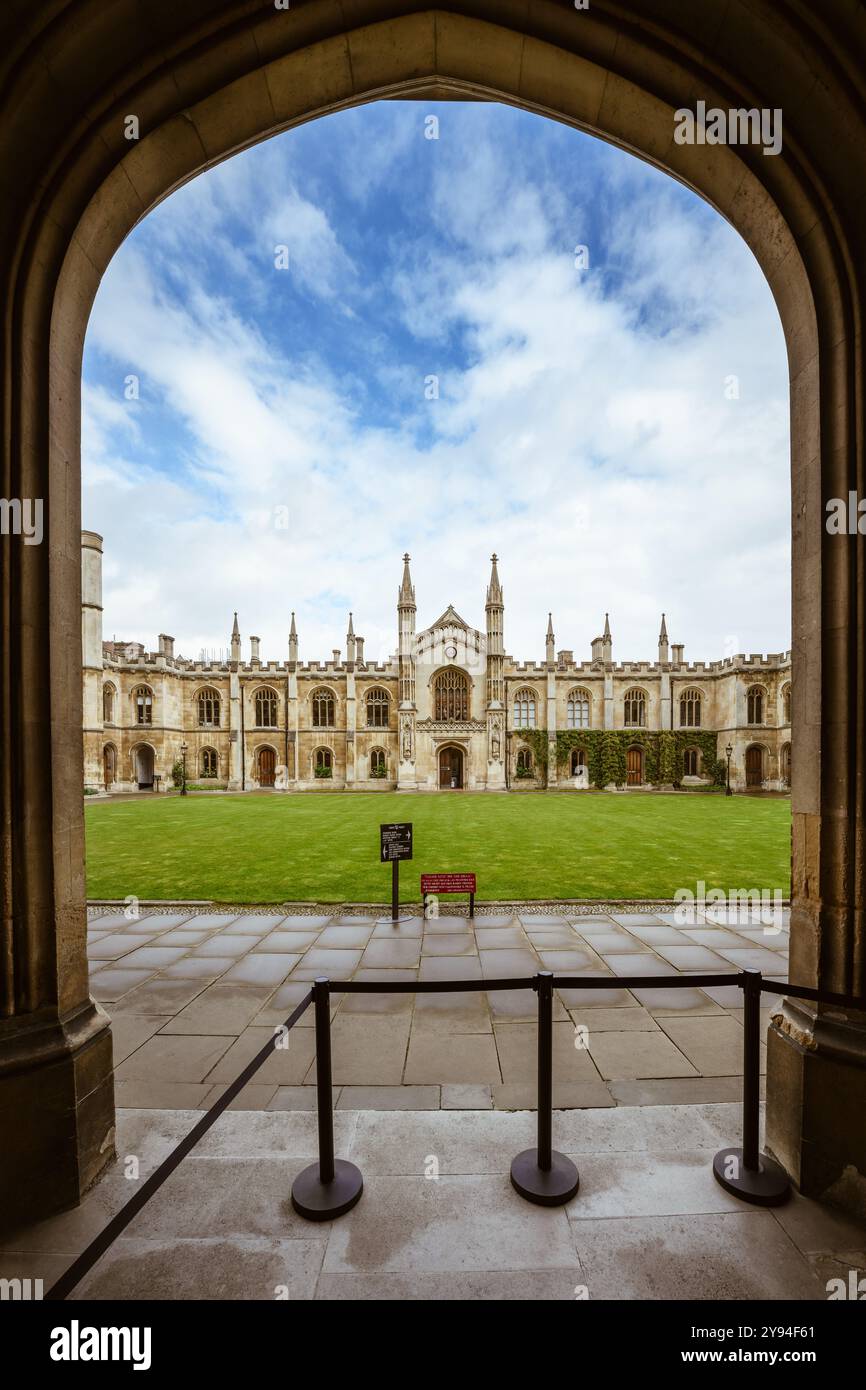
(542, 1175)
(395, 890)
(746, 1172)
(332, 1186)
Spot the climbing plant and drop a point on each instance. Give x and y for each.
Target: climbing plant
(606, 751)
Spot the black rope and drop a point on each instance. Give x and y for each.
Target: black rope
(97, 1247)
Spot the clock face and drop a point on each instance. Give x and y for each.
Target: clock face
(451, 652)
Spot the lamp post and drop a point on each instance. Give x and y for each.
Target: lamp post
(183, 773)
(728, 751)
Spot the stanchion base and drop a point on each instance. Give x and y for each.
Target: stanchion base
(320, 1201)
(394, 922)
(770, 1186)
(547, 1188)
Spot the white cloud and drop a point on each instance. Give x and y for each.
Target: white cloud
(588, 440)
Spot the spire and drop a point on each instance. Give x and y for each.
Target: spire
(550, 641)
(293, 641)
(350, 643)
(293, 631)
(494, 588)
(236, 632)
(406, 596)
(606, 642)
(351, 631)
(550, 627)
(664, 652)
(236, 640)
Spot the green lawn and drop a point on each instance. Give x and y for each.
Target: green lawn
(536, 845)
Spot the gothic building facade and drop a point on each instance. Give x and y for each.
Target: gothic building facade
(450, 710)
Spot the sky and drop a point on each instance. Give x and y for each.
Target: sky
(355, 340)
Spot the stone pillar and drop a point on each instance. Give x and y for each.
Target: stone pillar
(608, 700)
(56, 1085)
(236, 745)
(91, 655)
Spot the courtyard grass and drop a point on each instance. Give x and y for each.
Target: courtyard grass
(325, 848)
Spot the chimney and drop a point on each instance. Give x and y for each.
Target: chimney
(677, 654)
(598, 649)
(254, 651)
(166, 646)
(359, 650)
(336, 651)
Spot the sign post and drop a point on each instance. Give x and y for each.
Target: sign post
(448, 883)
(395, 843)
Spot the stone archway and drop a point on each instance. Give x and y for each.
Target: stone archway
(204, 81)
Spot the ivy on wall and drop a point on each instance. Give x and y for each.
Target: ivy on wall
(606, 751)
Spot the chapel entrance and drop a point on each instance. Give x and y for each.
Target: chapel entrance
(451, 768)
(634, 767)
(267, 767)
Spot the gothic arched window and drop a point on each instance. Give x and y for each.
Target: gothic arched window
(577, 711)
(755, 703)
(208, 708)
(323, 765)
(378, 763)
(634, 707)
(377, 708)
(209, 762)
(266, 708)
(786, 704)
(451, 695)
(143, 702)
(324, 709)
(524, 763)
(524, 709)
(690, 762)
(108, 693)
(690, 709)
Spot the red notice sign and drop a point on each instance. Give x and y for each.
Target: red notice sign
(447, 883)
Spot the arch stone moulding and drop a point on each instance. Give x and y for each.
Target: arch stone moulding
(209, 77)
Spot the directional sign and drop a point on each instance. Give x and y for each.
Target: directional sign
(395, 841)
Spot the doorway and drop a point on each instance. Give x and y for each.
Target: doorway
(109, 765)
(451, 769)
(754, 766)
(634, 767)
(144, 768)
(267, 767)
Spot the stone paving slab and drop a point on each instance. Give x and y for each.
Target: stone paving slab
(232, 977)
(438, 1218)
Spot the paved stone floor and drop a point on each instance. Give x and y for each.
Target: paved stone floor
(649, 1222)
(193, 995)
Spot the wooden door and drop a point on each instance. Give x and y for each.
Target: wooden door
(634, 767)
(754, 767)
(267, 767)
(451, 768)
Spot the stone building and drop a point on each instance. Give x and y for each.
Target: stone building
(448, 710)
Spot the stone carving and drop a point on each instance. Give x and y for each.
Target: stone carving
(407, 738)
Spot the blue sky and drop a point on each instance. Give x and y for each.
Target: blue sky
(286, 445)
